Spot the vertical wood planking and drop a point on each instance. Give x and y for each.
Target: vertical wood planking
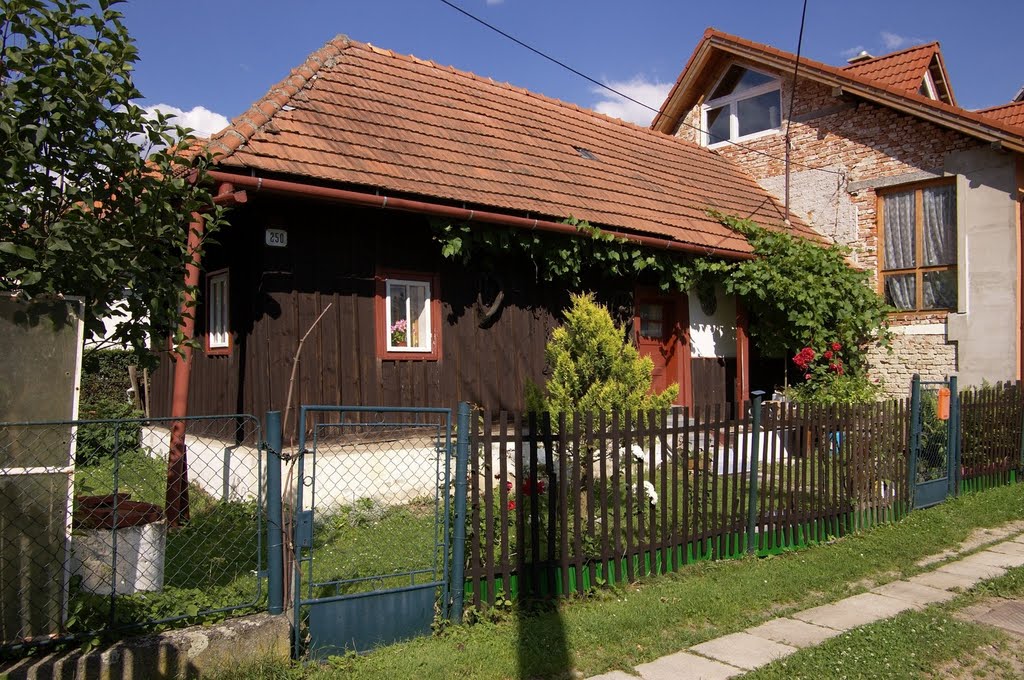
(616, 491)
(628, 455)
(579, 498)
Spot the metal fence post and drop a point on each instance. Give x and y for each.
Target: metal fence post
(458, 577)
(915, 437)
(755, 456)
(275, 558)
(953, 446)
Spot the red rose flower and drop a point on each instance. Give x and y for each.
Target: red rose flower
(840, 369)
(827, 354)
(807, 376)
(836, 346)
(511, 505)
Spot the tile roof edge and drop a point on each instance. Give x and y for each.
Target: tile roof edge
(242, 128)
(934, 45)
(997, 107)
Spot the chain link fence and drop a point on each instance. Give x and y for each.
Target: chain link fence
(92, 541)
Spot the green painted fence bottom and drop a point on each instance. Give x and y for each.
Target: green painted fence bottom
(988, 481)
(551, 578)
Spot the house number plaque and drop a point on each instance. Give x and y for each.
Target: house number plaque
(277, 238)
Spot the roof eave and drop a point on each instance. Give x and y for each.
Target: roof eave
(895, 100)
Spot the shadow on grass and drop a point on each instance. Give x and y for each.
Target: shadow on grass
(542, 648)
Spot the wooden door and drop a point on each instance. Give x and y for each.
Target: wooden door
(659, 326)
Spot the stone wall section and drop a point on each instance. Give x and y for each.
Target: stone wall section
(928, 355)
(858, 143)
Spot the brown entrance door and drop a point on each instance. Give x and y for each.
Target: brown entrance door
(660, 336)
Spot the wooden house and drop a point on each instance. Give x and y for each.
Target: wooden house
(349, 165)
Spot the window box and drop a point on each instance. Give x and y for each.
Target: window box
(408, 316)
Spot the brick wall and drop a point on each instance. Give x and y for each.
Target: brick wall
(862, 142)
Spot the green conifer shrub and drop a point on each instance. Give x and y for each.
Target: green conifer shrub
(593, 369)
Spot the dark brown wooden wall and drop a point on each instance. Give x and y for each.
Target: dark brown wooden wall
(713, 380)
(333, 252)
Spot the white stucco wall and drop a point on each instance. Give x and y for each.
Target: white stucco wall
(715, 335)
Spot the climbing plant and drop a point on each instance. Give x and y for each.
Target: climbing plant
(799, 292)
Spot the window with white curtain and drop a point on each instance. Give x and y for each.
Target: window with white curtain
(218, 328)
(408, 316)
(918, 253)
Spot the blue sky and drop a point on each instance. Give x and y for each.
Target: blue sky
(221, 55)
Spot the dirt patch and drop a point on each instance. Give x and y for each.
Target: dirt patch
(1002, 659)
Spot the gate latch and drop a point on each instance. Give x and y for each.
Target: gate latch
(304, 529)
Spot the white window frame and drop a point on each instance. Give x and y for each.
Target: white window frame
(427, 320)
(218, 311)
(731, 100)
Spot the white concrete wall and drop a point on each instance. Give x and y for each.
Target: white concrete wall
(713, 335)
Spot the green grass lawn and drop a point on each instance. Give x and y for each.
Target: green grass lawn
(928, 643)
(621, 628)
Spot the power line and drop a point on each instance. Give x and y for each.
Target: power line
(792, 98)
(623, 94)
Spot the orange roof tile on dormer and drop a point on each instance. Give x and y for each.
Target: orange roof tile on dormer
(907, 69)
(357, 116)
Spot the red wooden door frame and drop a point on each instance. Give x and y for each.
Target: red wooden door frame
(678, 305)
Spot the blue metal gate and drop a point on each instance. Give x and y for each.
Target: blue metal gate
(934, 441)
(373, 526)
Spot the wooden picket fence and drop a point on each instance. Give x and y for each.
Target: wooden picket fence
(561, 506)
(991, 435)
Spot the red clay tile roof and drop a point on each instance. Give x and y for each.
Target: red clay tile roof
(903, 70)
(355, 114)
(1011, 114)
(972, 123)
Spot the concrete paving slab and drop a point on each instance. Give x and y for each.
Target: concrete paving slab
(915, 593)
(686, 666)
(945, 580)
(973, 569)
(613, 675)
(855, 611)
(1008, 548)
(743, 650)
(935, 559)
(996, 559)
(1018, 539)
(793, 632)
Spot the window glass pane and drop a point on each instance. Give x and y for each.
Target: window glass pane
(939, 290)
(718, 124)
(398, 328)
(938, 205)
(758, 113)
(652, 323)
(900, 218)
(217, 328)
(737, 79)
(901, 291)
(419, 317)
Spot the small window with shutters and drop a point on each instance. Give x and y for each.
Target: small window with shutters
(218, 320)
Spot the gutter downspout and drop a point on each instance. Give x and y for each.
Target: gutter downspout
(176, 501)
(460, 214)
(177, 466)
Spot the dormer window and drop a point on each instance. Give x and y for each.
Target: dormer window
(743, 104)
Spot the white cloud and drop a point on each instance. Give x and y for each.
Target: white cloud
(202, 120)
(639, 88)
(852, 52)
(893, 41)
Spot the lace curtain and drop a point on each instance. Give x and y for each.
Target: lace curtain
(900, 218)
(938, 242)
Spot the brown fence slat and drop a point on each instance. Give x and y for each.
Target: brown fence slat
(475, 522)
(489, 518)
(505, 509)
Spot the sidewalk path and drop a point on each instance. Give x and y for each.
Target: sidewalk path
(733, 655)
